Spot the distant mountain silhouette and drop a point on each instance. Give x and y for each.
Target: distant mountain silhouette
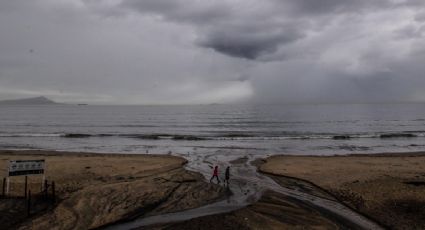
(29, 101)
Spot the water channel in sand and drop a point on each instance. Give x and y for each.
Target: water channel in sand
(247, 186)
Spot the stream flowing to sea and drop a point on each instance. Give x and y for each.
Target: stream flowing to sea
(247, 186)
(210, 135)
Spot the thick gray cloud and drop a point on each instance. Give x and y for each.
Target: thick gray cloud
(247, 41)
(227, 27)
(193, 51)
(251, 30)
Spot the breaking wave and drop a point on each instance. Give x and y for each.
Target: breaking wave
(226, 136)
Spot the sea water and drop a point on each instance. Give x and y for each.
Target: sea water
(259, 129)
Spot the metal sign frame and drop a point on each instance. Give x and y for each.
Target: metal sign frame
(26, 167)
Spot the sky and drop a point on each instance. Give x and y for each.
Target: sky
(201, 52)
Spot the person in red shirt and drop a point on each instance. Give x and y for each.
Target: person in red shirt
(215, 174)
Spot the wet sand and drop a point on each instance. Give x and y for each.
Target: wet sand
(95, 190)
(390, 188)
(272, 211)
(258, 202)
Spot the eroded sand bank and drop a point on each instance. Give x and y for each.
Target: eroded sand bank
(387, 187)
(95, 190)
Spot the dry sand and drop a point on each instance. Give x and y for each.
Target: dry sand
(387, 187)
(95, 190)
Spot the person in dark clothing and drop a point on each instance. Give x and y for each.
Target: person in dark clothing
(215, 174)
(227, 176)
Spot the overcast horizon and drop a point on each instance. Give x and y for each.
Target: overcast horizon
(203, 52)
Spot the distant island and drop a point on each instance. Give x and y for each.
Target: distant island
(29, 101)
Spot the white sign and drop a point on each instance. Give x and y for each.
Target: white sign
(26, 167)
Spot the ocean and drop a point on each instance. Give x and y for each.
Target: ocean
(226, 129)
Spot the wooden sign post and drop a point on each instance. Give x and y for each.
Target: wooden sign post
(4, 187)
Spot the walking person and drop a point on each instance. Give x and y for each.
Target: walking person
(227, 176)
(215, 174)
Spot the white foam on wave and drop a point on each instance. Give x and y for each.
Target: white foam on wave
(31, 135)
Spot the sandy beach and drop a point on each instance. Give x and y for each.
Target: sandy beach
(389, 188)
(95, 190)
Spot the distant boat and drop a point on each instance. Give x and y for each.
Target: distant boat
(83, 104)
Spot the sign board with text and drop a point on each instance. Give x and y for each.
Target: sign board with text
(26, 167)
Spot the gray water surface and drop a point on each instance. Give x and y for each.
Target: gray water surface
(295, 129)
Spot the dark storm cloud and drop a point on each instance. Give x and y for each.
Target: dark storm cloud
(242, 47)
(222, 28)
(250, 41)
(195, 51)
(252, 30)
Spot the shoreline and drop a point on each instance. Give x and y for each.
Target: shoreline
(374, 154)
(42, 152)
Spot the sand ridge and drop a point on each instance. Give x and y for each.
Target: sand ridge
(388, 187)
(95, 190)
